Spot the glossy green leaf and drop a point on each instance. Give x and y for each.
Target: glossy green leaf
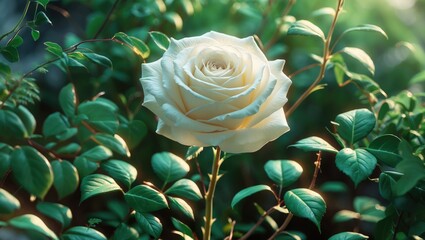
(57, 211)
(160, 39)
(355, 124)
(11, 125)
(304, 27)
(323, 11)
(16, 41)
(4, 163)
(345, 215)
(32, 223)
(149, 223)
(54, 48)
(360, 56)
(366, 28)
(115, 143)
(183, 228)
(418, 78)
(27, 118)
(35, 34)
(97, 154)
(65, 178)
(125, 232)
(121, 171)
(385, 149)
(193, 152)
(348, 236)
(43, 3)
(180, 205)
(71, 148)
(140, 47)
(67, 100)
(386, 186)
(169, 167)
(246, 192)
(175, 19)
(358, 164)
(334, 187)
(291, 235)
(41, 18)
(32, 171)
(85, 166)
(100, 116)
(314, 144)
(185, 188)
(80, 233)
(99, 59)
(283, 172)
(5, 70)
(96, 184)
(8, 203)
(306, 203)
(55, 124)
(145, 199)
(132, 132)
(10, 53)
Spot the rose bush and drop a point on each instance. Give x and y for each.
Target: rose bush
(217, 90)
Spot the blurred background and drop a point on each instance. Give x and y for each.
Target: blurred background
(397, 60)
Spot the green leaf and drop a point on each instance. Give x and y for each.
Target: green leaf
(85, 166)
(358, 164)
(193, 152)
(65, 178)
(97, 154)
(145, 199)
(32, 170)
(121, 171)
(185, 188)
(5, 70)
(150, 224)
(306, 203)
(8, 203)
(386, 186)
(97, 184)
(80, 233)
(57, 211)
(355, 124)
(360, 56)
(115, 143)
(180, 205)
(27, 118)
(323, 11)
(160, 39)
(43, 3)
(385, 149)
(418, 78)
(169, 167)
(16, 42)
(11, 125)
(246, 192)
(4, 163)
(32, 223)
(366, 28)
(348, 236)
(67, 100)
(412, 168)
(183, 228)
(99, 59)
(125, 232)
(54, 48)
(41, 18)
(175, 19)
(100, 116)
(55, 124)
(35, 34)
(345, 215)
(71, 148)
(306, 28)
(140, 47)
(334, 187)
(132, 132)
(283, 172)
(10, 53)
(314, 144)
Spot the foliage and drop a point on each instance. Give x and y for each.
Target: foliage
(72, 129)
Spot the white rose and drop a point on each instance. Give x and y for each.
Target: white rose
(217, 90)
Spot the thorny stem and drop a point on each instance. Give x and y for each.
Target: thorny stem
(19, 22)
(288, 219)
(326, 56)
(209, 196)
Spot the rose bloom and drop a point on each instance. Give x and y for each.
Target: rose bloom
(217, 90)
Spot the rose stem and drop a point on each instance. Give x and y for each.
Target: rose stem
(209, 196)
(326, 55)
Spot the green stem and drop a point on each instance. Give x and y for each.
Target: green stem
(209, 196)
(326, 56)
(19, 22)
